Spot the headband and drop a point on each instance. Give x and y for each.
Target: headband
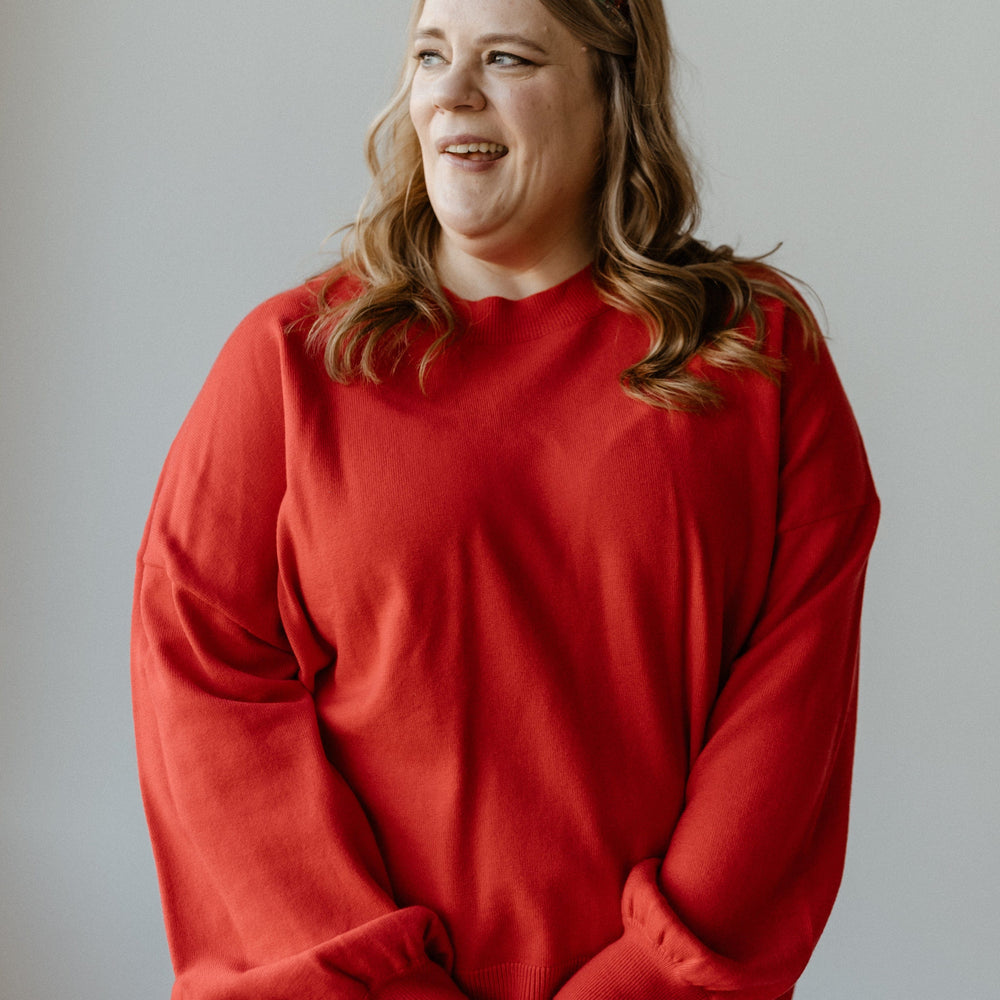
(620, 7)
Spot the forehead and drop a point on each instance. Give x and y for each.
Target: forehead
(482, 17)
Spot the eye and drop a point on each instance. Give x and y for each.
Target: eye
(506, 59)
(428, 57)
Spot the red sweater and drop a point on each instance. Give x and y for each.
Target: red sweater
(510, 689)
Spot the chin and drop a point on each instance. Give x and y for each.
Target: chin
(461, 226)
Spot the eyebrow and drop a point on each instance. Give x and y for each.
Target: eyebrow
(496, 39)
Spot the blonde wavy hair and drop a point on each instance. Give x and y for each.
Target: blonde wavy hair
(692, 297)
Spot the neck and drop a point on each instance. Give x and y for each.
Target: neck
(471, 274)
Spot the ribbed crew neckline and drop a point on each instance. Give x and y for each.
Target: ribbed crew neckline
(497, 320)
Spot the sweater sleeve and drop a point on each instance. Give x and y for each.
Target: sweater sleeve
(271, 879)
(736, 905)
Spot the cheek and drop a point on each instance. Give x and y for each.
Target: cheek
(414, 109)
(588, 129)
(418, 108)
(574, 116)
(542, 124)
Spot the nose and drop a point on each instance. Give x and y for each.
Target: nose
(457, 89)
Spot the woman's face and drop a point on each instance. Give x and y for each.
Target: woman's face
(510, 123)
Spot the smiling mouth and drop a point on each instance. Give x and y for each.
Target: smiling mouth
(477, 151)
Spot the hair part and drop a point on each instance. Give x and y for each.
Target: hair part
(694, 299)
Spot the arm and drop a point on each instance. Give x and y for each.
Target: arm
(737, 903)
(271, 878)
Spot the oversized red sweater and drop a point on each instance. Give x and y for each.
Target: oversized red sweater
(510, 689)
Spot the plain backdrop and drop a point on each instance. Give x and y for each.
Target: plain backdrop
(164, 167)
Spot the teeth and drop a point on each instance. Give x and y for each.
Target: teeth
(476, 147)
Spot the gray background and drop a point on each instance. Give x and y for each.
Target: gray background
(163, 167)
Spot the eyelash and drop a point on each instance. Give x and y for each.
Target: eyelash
(427, 59)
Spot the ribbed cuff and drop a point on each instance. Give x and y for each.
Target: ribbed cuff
(426, 982)
(625, 970)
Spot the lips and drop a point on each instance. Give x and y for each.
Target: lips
(472, 148)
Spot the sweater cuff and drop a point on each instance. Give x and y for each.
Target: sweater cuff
(426, 982)
(625, 970)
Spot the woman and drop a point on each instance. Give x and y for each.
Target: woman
(497, 616)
